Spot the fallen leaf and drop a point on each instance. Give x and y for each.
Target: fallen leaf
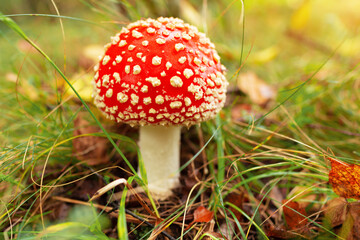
(237, 200)
(91, 149)
(345, 179)
(81, 83)
(295, 216)
(335, 211)
(202, 214)
(258, 91)
(343, 217)
(264, 55)
(301, 16)
(279, 232)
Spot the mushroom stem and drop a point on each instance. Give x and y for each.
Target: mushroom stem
(160, 149)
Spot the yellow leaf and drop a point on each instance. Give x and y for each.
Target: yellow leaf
(265, 55)
(301, 16)
(82, 84)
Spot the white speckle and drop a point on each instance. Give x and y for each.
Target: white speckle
(168, 65)
(145, 43)
(118, 58)
(166, 33)
(127, 69)
(186, 36)
(106, 80)
(130, 59)
(182, 59)
(157, 24)
(150, 30)
(187, 101)
(143, 59)
(121, 97)
(188, 73)
(139, 54)
(152, 111)
(106, 59)
(159, 99)
(160, 40)
(197, 61)
(159, 116)
(113, 63)
(205, 60)
(216, 57)
(210, 83)
(136, 69)
(122, 43)
(131, 47)
(134, 99)
(96, 76)
(142, 114)
(204, 40)
(109, 93)
(116, 75)
(151, 119)
(154, 81)
(124, 30)
(147, 100)
(199, 95)
(218, 81)
(136, 34)
(193, 88)
(163, 74)
(144, 89)
(176, 81)
(179, 46)
(156, 60)
(96, 67)
(176, 104)
(177, 35)
(170, 26)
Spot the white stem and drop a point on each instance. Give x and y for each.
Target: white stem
(160, 149)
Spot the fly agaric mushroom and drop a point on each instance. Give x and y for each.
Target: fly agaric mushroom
(160, 74)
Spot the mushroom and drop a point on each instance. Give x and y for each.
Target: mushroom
(160, 75)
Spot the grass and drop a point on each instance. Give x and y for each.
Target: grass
(241, 166)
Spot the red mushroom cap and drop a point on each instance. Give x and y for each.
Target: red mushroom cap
(160, 72)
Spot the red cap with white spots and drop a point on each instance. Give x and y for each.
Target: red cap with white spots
(160, 72)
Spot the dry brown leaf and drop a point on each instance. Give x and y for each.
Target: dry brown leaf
(335, 211)
(91, 149)
(339, 212)
(257, 89)
(294, 215)
(237, 200)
